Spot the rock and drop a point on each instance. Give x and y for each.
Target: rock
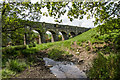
(80, 61)
(87, 57)
(49, 62)
(49, 65)
(84, 70)
(77, 52)
(75, 59)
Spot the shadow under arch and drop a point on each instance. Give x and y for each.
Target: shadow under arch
(72, 34)
(79, 33)
(40, 36)
(37, 36)
(64, 35)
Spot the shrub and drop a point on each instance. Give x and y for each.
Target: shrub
(4, 60)
(32, 45)
(55, 54)
(6, 73)
(106, 67)
(8, 52)
(31, 59)
(16, 65)
(21, 47)
(28, 52)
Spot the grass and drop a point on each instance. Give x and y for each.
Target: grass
(16, 65)
(6, 73)
(56, 54)
(10, 54)
(106, 67)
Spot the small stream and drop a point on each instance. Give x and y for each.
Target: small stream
(64, 69)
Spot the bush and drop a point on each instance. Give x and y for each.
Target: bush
(21, 47)
(8, 52)
(106, 67)
(4, 60)
(13, 51)
(32, 45)
(6, 73)
(28, 52)
(55, 54)
(16, 65)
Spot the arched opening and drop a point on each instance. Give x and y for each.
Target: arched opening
(50, 36)
(64, 36)
(59, 36)
(35, 37)
(32, 36)
(72, 34)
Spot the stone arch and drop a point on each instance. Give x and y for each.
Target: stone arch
(54, 36)
(40, 38)
(72, 34)
(59, 36)
(35, 36)
(64, 35)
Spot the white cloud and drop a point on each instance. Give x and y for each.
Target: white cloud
(76, 22)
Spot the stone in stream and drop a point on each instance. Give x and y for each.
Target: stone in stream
(64, 69)
(49, 62)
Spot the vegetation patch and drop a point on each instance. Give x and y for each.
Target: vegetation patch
(6, 73)
(56, 54)
(106, 67)
(16, 65)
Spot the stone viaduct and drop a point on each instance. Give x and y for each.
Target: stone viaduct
(66, 31)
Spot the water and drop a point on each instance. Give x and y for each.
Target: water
(64, 69)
